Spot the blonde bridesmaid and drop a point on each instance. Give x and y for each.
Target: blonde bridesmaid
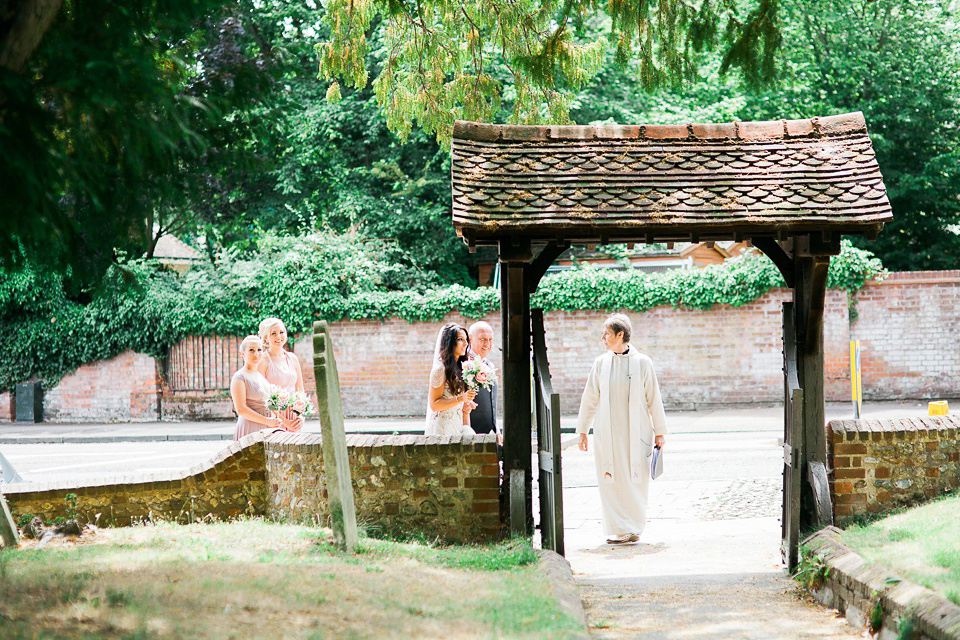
(281, 367)
(250, 390)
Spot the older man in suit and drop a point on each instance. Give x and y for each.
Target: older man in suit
(483, 419)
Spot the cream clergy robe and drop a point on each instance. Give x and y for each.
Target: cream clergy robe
(622, 402)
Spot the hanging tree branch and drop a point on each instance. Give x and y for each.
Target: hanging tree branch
(426, 79)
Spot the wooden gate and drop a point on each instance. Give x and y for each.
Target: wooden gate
(547, 410)
(792, 443)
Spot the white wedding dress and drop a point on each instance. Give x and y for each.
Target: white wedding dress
(448, 422)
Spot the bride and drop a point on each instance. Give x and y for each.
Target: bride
(448, 399)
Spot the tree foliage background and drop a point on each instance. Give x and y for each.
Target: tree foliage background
(234, 124)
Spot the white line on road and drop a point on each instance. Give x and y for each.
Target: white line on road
(101, 463)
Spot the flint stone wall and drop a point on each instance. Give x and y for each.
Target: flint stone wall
(443, 487)
(228, 485)
(882, 465)
(440, 486)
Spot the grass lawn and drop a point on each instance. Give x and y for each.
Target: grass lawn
(255, 579)
(922, 545)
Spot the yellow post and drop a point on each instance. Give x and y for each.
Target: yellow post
(856, 385)
(938, 408)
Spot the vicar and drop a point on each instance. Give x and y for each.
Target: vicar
(483, 419)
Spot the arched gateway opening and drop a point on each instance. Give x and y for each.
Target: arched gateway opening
(792, 188)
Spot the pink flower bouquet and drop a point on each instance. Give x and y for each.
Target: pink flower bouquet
(299, 402)
(478, 374)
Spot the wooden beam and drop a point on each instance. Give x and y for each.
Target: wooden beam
(542, 262)
(809, 294)
(783, 261)
(818, 245)
(814, 291)
(792, 442)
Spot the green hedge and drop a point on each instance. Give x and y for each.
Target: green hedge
(145, 308)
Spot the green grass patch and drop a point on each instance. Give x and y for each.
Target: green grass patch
(920, 544)
(256, 579)
(499, 557)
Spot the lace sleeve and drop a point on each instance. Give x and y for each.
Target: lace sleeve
(436, 377)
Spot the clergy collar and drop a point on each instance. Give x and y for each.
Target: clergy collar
(624, 352)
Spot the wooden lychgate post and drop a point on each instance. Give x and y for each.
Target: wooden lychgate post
(336, 465)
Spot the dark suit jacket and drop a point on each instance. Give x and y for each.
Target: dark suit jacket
(483, 419)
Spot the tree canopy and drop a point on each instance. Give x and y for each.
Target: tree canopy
(438, 61)
(206, 119)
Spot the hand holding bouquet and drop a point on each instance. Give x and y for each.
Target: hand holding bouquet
(280, 399)
(478, 374)
(300, 404)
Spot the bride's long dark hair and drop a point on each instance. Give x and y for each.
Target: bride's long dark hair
(452, 371)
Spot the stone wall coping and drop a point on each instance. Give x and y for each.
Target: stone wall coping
(935, 616)
(919, 423)
(919, 277)
(556, 569)
(480, 443)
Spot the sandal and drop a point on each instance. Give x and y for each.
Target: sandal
(623, 538)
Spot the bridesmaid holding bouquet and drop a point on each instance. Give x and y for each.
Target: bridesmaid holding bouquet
(249, 390)
(280, 367)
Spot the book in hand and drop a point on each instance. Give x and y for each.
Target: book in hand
(656, 463)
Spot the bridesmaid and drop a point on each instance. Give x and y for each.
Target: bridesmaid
(249, 390)
(280, 367)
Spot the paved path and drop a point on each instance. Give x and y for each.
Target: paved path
(708, 564)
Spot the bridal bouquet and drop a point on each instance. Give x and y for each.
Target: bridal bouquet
(478, 374)
(280, 400)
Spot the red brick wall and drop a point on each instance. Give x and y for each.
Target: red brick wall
(908, 327)
(722, 356)
(703, 358)
(7, 407)
(909, 332)
(123, 389)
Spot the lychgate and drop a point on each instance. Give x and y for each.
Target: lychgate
(790, 187)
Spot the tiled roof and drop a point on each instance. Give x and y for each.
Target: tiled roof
(174, 250)
(667, 182)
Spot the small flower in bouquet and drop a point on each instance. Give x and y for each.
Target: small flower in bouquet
(279, 399)
(300, 404)
(478, 374)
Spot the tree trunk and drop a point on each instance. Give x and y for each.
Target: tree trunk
(31, 21)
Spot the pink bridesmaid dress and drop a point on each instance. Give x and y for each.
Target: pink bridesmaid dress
(283, 374)
(258, 390)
